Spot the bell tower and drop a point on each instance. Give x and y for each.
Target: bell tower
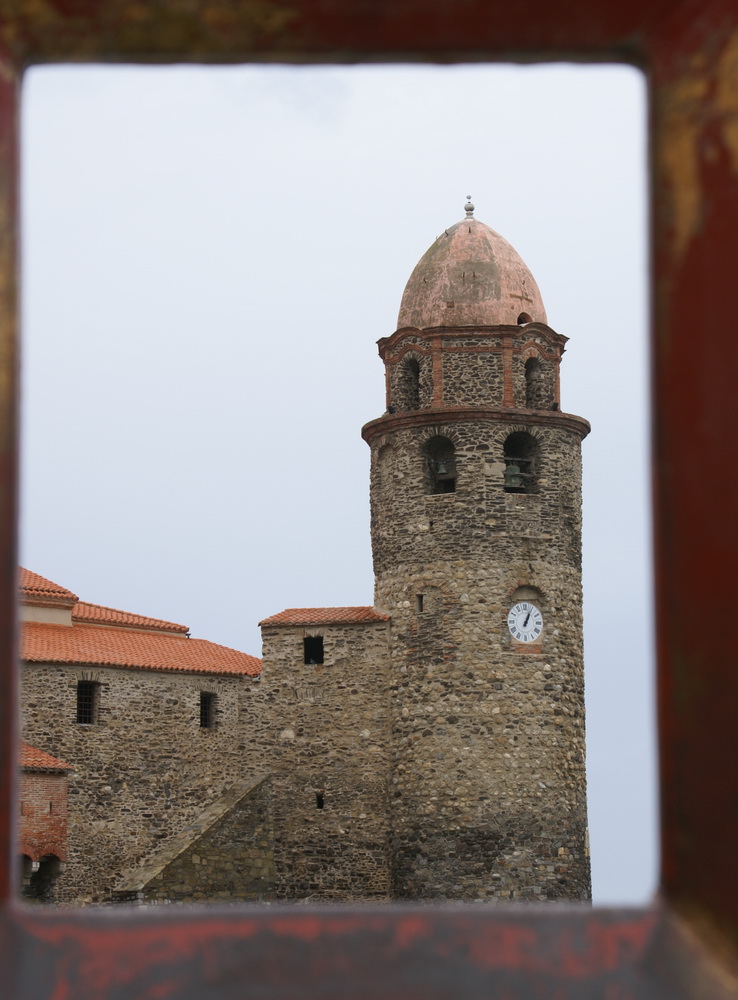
(476, 538)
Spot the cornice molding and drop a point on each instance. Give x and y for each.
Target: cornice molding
(390, 422)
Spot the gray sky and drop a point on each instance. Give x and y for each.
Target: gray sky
(211, 254)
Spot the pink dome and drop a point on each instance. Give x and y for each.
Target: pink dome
(470, 276)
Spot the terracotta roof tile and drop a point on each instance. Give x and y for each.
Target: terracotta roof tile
(325, 616)
(98, 614)
(117, 647)
(32, 759)
(36, 589)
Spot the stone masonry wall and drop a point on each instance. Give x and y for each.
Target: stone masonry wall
(325, 728)
(143, 771)
(472, 373)
(488, 797)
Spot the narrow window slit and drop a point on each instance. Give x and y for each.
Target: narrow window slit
(319, 800)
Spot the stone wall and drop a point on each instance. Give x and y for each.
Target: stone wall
(471, 374)
(325, 728)
(144, 770)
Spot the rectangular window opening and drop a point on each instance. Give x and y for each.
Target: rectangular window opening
(207, 710)
(313, 649)
(319, 800)
(88, 702)
(420, 599)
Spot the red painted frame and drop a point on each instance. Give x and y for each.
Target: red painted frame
(686, 945)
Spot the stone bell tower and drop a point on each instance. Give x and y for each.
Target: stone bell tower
(476, 536)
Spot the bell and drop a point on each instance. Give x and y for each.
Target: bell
(512, 479)
(441, 468)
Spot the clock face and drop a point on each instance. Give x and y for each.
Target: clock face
(525, 621)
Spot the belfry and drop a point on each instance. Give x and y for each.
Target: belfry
(476, 538)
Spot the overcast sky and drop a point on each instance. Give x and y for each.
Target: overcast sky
(211, 254)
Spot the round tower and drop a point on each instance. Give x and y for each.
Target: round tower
(476, 538)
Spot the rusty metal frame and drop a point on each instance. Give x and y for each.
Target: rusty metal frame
(686, 944)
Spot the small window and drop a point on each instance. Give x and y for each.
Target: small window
(313, 649)
(88, 702)
(420, 601)
(319, 800)
(207, 710)
(524, 318)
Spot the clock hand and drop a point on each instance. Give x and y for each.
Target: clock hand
(527, 619)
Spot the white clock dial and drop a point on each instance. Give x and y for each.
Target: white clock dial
(525, 622)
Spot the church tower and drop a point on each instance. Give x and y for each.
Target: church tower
(476, 537)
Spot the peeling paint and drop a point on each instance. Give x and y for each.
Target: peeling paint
(726, 96)
(681, 103)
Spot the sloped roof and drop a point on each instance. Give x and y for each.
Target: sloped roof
(121, 647)
(98, 614)
(36, 589)
(33, 759)
(325, 616)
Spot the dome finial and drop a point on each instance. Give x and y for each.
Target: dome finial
(469, 208)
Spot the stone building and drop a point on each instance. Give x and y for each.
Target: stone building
(147, 717)
(428, 747)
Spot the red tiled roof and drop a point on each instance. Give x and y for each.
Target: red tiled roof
(98, 614)
(325, 616)
(32, 759)
(36, 589)
(117, 647)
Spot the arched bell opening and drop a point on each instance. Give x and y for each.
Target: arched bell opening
(521, 454)
(440, 464)
(524, 318)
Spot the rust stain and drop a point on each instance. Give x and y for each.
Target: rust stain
(705, 95)
(39, 30)
(726, 97)
(682, 103)
(503, 947)
(409, 930)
